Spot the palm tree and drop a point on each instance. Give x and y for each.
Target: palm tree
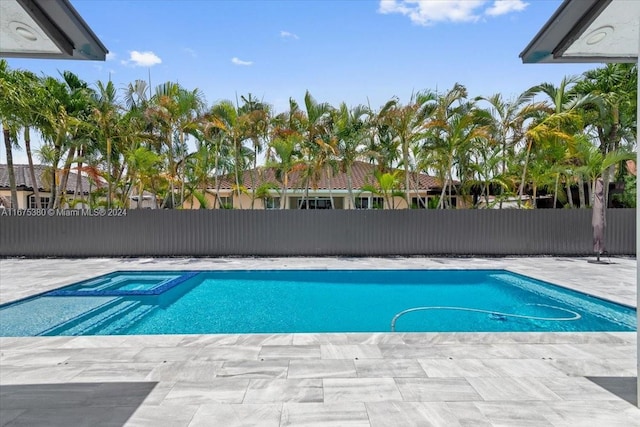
(614, 121)
(224, 117)
(407, 124)
(562, 121)
(507, 127)
(176, 111)
(285, 160)
(453, 129)
(15, 106)
(255, 118)
(351, 129)
(106, 111)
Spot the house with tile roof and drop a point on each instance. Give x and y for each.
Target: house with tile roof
(262, 189)
(78, 185)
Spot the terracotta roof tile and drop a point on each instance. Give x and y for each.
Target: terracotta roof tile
(23, 178)
(361, 174)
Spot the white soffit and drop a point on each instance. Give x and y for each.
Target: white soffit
(21, 34)
(588, 31)
(613, 33)
(46, 29)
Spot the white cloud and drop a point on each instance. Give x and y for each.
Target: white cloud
(111, 56)
(501, 7)
(429, 12)
(287, 34)
(143, 59)
(239, 61)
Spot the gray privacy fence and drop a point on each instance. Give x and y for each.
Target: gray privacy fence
(316, 233)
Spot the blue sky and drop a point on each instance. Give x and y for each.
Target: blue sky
(356, 51)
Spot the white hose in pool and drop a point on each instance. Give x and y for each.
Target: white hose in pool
(576, 316)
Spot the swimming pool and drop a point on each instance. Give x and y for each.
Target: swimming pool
(287, 301)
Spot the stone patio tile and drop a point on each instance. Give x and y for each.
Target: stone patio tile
(38, 374)
(347, 414)
(265, 339)
(229, 352)
(109, 372)
(106, 355)
(594, 413)
(142, 341)
(445, 368)
(436, 389)
(360, 390)
(468, 414)
(577, 388)
(376, 368)
(167, 354)
(165, 415)
(418, 414)
(290, 351)
(409, 351)
(34, 358)
(77, 416)
(316, 339)
(97, 341)
(523, 368)
(220, 390)
(208, 340)
(596, 367)
(269, 368)
(190, 370)
(505, 389)
(330, 368)
(520, 414)
(283, 390)
(9, 415)
(350, 351)
(244, 415)
(375, 338)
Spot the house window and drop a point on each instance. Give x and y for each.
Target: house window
(226, 202)
(362, 203)
(317, 203)
(418, 203)
(377, 203)
(369, 203)
(31, 202)
(272, 203)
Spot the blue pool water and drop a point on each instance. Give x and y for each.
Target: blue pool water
(131, 303)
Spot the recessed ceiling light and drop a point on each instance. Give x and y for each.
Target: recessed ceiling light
(24, 31)
(599, 34)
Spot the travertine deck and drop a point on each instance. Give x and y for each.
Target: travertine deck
(448, 379)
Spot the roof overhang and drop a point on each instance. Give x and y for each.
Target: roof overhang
(588, 31)
(46, 29)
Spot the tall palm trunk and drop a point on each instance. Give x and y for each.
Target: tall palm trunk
(555, 191)
(11, 172)
(569, 193)
(352, 199)
(32, 172)
(581, 192)
(524, 173)
(62, 189)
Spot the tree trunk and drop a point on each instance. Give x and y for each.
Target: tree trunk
(524, 174)
(352, 199)
(10, 171)
(555, 191)
(32, 173)
(62, 189)
(581, 192)
(569, 194)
